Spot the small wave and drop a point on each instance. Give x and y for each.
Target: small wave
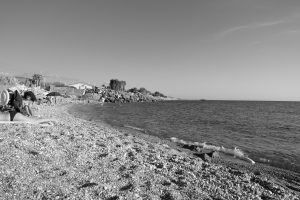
(135, 128)
(237, 153)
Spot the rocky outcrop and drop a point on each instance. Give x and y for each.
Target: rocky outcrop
(113, 96)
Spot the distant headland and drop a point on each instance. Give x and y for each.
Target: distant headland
(114, 92)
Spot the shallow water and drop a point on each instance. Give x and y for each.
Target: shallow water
(269, 132)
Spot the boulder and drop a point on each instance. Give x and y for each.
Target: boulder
(207, 155)
(214, 154)
(203, 156)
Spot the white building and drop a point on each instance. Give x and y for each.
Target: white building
(81, 86)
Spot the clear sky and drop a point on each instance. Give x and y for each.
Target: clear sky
(192, 49)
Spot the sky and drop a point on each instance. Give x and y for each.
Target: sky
(191, 49)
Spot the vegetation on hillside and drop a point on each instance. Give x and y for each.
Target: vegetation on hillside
(158, 94)
(7, 81)
(144, 91)
(133, 90)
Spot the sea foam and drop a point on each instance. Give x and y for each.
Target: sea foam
(236, 152)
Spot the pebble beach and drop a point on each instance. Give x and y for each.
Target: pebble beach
(80, 159)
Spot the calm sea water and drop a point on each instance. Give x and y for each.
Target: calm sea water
(269, 132)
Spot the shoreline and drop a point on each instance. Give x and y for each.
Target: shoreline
(284, 177)
(77, 158)
(211, 131)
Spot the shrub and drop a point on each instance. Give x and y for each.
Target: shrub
(133, 90)
(144, 91)
(158, 94)
(7, 81)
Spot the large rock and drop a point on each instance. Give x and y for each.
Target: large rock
(203, 156)
(207, 155)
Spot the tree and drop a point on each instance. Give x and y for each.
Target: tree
(37, 78)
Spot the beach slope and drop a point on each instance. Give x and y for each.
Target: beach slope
(79, 159)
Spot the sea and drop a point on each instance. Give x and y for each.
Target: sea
(267, 132)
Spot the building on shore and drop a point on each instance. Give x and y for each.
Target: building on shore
(81, 86)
